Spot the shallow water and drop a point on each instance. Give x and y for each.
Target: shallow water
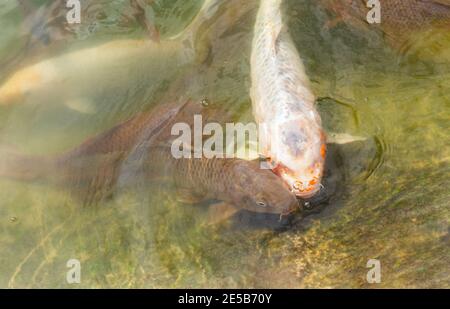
(388, 195)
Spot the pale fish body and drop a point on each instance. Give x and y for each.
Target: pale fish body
(109, 73)
(284, 106)
(95, 74)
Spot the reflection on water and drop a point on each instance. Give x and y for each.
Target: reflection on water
(387, 196)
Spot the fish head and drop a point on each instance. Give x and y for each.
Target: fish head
(260, 190)
(298, 155)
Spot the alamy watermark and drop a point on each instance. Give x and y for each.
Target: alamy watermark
(73, 15)
(73, 275)
(374, 15)
(374, 273)
(229, 141)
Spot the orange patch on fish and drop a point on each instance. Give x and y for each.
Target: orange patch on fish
(323, 150)
(20, 82)
(278, 169)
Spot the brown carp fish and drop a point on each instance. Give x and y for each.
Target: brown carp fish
(94, 168)
(400, 19)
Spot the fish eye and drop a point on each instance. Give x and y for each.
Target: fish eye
(261, 203)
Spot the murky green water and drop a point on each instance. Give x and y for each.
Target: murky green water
(389, 194)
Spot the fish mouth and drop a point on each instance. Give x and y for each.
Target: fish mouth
(303, 187)
(306, 193)
(293, 208)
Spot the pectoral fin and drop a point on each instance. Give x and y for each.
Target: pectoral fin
(343, 138)
(81, 105)
(220, 212)
(442, 2)
(186, 196)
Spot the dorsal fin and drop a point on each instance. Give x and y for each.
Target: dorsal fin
(123, 137)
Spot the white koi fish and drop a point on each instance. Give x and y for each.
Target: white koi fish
(291, 135)
(86, 77)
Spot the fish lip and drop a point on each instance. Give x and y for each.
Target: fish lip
(293, 207)
(306, 194)
(290, 182)
(289, 212)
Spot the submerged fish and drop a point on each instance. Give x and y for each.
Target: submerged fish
(89, 77)
(284, 105)
(94, 74)
(400, 19)
(94, 168)
(240, 183)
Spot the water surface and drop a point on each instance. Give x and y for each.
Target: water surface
(389, 195)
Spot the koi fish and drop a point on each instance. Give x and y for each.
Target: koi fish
(84, 78)
(284, 106)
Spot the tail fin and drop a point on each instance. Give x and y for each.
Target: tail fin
(206, 12)
(16, 166)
